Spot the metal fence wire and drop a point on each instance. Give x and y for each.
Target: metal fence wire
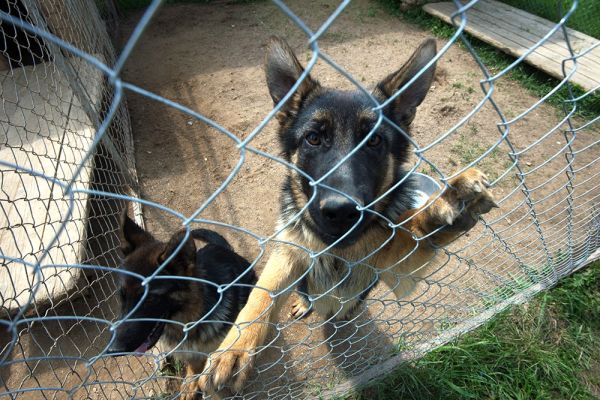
(67, 171)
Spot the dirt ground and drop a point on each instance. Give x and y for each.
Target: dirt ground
(208, 57)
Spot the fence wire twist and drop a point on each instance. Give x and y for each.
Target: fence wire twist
(67, 170)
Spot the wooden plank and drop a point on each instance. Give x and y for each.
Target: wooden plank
(514, 32)
(499, 34)
(520, 37)
(502, 37)
(45, 129)
(537, 24)
(535, 30)
(547, 61)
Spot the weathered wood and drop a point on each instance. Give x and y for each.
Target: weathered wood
(539, 27)
(515, 31)
(44, 129)
(548, 51)
(523, 31)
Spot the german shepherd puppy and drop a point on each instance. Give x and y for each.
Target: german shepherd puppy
(180, 300)
(359, 213)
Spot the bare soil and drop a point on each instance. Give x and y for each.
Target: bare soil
(208, 57)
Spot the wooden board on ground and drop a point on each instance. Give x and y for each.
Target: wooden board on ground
(515, 31)
(45, 129)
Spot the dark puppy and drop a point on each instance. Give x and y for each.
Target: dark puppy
(181, 300)
(350, 211)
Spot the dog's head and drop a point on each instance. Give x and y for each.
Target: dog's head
(143, 255)
(320, 126)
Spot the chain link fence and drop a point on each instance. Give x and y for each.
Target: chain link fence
(67, 172)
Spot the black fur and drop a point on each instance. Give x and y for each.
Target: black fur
(320, 126)
(182, 300)
(210, 237)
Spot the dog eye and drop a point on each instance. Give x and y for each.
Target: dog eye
(313, 139)
(374, 140)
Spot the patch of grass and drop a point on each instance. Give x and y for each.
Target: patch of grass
(427, 170)
(545, 349)
(529, 277)
(172, 367)
(535, 81)
(466, 88)
(467, 150)
(368, 14)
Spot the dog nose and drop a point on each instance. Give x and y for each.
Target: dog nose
(340, 211)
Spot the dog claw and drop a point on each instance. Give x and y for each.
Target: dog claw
(449, 220)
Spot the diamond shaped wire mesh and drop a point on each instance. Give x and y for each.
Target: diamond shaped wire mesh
(67, 171)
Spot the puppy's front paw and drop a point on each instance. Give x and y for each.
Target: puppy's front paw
(300, 309)
(463, 202)
(226, 368)
(190, 389)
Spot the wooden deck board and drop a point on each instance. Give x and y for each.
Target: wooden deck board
(515, 31)
(550, 53)
(45, 129)
(538, 27)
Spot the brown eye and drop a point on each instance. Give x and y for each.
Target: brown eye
(313, 139)
(374, 140)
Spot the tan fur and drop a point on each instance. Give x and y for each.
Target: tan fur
(296, 189)
(287, 264)
(406, 249)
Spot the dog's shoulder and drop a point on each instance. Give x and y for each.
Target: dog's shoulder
(222, 265)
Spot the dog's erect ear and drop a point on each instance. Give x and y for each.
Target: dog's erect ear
(403, 108)
(283, 69)
(131, 235)
(185, 260)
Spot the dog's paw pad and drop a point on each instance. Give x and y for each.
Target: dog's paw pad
(229, 368)
(467, 198)
(470, 184)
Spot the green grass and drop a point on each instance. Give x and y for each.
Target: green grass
(545, 349)
(584, 18)
(535, 81)
(173, 367)
(467, 150)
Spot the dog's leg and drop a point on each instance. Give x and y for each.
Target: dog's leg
(458, 209)
(301, 307)
(454, 212)
(232, 363)
(189, 388)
